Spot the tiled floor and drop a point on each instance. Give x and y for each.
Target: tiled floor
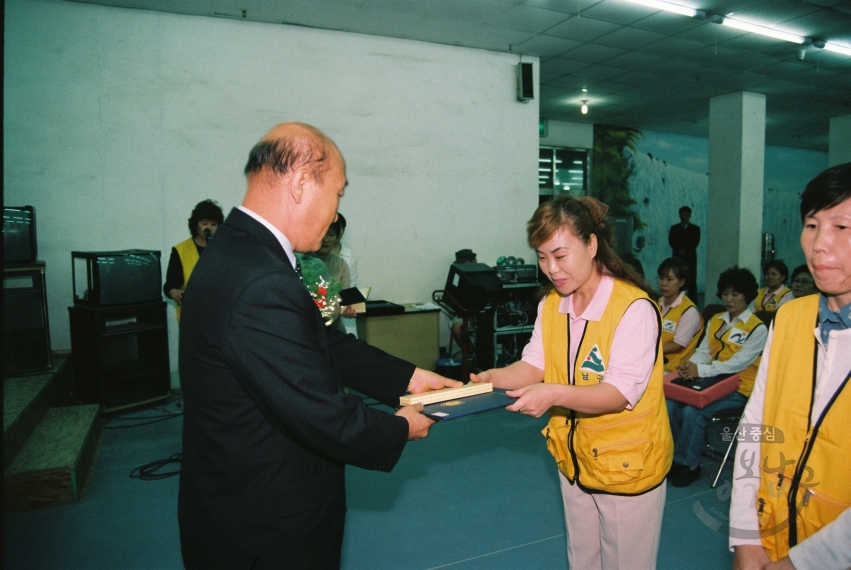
(480, 492)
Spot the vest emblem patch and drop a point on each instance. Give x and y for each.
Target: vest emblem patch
(738, 336)
(594, 361)
(669, 326)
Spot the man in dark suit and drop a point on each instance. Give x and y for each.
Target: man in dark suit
(683, 239)
(268, 427)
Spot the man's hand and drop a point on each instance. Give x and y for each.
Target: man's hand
(533, 400)
(418, 424)
(750, 557)
(349, 312)
(423, 381)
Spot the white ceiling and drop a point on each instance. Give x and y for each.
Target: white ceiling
(642, 68)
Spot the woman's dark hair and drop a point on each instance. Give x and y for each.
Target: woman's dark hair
(801, 269)
(740, 280)
(342, 221)
(779, 266)
(828, 189)
(568, 212)
(206, 210)
(675, 264)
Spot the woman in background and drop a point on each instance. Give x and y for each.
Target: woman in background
(682, 322)
(775, 292)
(732, 345)
(203, 223)
(345, 252)
(595, 364)
(803, 283)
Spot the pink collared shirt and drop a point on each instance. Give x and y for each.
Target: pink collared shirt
(634, 345)
(688, 324)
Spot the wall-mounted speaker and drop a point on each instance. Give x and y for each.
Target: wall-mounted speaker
(525, 83)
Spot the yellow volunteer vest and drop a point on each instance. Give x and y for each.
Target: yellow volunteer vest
(670, 320)
(627, 452)
(730, 343)
(188, 258)
(805, 475)
(770, 304)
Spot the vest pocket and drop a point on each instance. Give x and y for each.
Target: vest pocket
(816, 510)
(556, 433)
(616, 463)
(767, 524)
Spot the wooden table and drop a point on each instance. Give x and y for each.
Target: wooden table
(413, 335)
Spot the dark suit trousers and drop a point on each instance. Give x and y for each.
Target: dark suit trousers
(310, 539)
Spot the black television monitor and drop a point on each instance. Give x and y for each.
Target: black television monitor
(19, 239)
(474, 286)
(116, 277)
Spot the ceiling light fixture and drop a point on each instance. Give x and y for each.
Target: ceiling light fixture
(763, 31)
(668, 7)
(584, 107)
(844, 50)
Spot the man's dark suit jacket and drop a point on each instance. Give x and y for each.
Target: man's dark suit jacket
(684, 242)
(267, 426)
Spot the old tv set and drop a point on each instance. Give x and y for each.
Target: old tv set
(125, 277)
(19, 238)
(474, 286)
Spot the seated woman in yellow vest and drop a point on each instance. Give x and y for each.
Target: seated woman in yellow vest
(775, 292)
(733, 342)
(803, 283)
(205, 218)
(682, 322)
(594, 363)
(803, 391)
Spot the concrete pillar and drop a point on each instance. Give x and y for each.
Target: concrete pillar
(736, 172)
(839, 143)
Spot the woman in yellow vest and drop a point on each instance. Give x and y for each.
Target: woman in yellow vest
(682, 322)
(594, 363)
(775, 292)
(792, 508)
(733, 342)
(205, 219)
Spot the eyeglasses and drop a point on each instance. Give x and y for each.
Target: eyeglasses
(802, 281)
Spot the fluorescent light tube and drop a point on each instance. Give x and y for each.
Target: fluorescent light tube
(763, 31)
(667, 6)
(837, 48)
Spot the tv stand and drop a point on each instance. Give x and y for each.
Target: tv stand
(120, 354)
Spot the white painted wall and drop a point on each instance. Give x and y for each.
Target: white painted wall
(117, 122)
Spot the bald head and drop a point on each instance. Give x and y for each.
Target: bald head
(289, 146)
(296, 176)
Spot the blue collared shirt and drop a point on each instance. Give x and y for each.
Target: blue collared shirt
(832, 320)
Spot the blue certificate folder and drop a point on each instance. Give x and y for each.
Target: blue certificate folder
(467, 405)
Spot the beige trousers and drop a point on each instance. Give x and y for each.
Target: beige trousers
(612, 532)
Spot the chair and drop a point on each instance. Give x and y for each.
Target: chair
(724, 419)
(766, 317)
(723, 422)
(709, 311)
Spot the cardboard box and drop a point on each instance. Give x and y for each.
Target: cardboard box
(699, 398)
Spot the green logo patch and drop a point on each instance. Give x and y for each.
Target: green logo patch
(594, 361)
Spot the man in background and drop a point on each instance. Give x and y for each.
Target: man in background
(684, 239)
(268, 428)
